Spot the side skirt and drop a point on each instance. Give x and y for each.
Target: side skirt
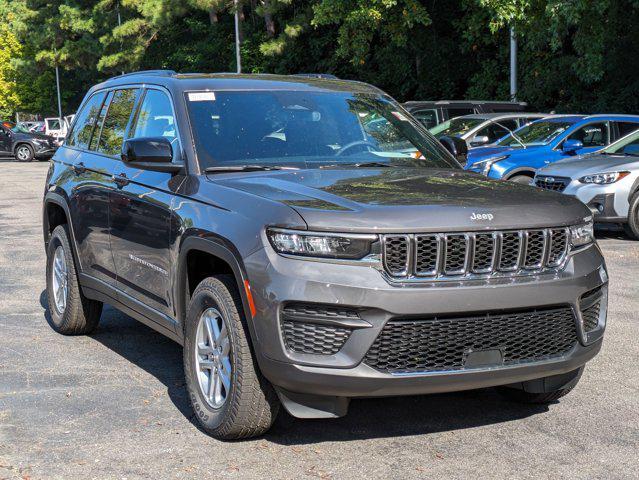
(98, 290)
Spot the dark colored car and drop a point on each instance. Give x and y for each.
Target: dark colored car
(307, 241)
(431, 113)
(25, 146)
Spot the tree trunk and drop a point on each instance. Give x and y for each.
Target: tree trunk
(213, 16)
(268, 19)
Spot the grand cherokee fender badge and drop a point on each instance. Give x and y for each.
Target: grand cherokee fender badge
(482, 216)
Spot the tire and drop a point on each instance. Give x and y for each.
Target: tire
(522, 179)
(521, 396)
(250, 404)
(632, 227)
(77, 315)
(24, 153)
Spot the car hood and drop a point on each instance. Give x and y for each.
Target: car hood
(407, 199)
(576, 167)
(481, 153)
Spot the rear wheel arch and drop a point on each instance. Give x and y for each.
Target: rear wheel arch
(55, 212)
(200, 258)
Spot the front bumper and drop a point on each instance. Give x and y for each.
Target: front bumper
(608, 203)
(45, 151)
(276, 280)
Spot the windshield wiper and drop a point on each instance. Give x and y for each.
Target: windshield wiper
(360, 165)
(246, 168)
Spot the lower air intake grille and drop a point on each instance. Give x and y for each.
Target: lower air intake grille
(434, 344)
(591, 316)
(314, 338)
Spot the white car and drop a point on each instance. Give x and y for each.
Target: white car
(58, 127)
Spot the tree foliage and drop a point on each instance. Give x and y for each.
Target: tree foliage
(576, 55)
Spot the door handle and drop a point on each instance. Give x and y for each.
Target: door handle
(121, 180)
(79, 168)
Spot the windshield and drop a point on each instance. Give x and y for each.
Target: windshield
(307, 129)
(15, 128)
(537, 133)
(456, 126)
(628, 144)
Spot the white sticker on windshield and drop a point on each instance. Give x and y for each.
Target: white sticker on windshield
(400, 116)
(202, 96)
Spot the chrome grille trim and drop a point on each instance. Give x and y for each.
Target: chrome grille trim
(460, 255)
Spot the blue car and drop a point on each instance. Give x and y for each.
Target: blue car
(518, 155)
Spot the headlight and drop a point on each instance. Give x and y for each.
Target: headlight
(325, 245)
(582, 234)
(486, 165)
(603, 178)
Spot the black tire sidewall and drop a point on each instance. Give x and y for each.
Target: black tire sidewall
(520, 179)
(56, 241)
(211, 418)
(633, 216)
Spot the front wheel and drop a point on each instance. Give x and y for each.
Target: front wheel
(229, 395)
(632, 227)
(522, 179)
(24, 153)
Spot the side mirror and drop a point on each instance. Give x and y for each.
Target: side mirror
(571, 146)
(457, 147)
(480, 140)
(150, 153)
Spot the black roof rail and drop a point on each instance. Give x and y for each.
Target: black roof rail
(329, 76)
(164, 73)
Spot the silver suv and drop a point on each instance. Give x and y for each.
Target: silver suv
(607, 181)
(308, 242)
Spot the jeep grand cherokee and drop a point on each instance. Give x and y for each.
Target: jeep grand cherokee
(308, 242)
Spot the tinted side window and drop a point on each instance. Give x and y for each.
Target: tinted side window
(83, 128)
(626, 127)
(116, 121)
(458, 112)
(428, 118)
(156, 117)
(100, 122)
(593, 135)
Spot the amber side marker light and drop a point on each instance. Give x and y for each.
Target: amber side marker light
(249, 296)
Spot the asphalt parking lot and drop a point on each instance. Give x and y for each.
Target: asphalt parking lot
(113, 405)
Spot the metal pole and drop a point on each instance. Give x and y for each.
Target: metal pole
(57, 83)
(513, 65)
(117, 9)
(238, 56)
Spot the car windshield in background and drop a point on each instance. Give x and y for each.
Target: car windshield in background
(456, 126)
(15, 128)
(537, 133)
(628, 145)
(307, 130)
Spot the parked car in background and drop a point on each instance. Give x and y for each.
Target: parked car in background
(58, 127)
(431, 113)
(38, 127)
(606, 181)
(484, 128)
(25, 146)
(520, 154)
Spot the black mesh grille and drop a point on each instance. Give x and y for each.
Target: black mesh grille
(314, 338)
(558, 244)
(591, 316)
(425, 254)
(396, 255)
(432, 344)
(556, 184)
(455, 256)
(484, 249)
(510, 243)
(534, 249)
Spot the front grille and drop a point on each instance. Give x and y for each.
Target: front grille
(444, 343)
(590, 305)
(474, 253)
(556, 184)
(307, 328)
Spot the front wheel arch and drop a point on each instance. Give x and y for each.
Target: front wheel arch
(515, 173)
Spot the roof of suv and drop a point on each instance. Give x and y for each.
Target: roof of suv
(502, 115)
(235, 81)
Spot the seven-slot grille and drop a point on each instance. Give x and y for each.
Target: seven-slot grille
(413, 345)
(471, 254)
(556, 184)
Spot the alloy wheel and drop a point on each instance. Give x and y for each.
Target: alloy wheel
(60, 280)
(23, 153)
(212, 358)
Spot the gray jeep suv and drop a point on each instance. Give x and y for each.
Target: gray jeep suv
(308, 242)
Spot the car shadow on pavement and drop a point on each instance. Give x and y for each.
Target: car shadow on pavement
(367, 418)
